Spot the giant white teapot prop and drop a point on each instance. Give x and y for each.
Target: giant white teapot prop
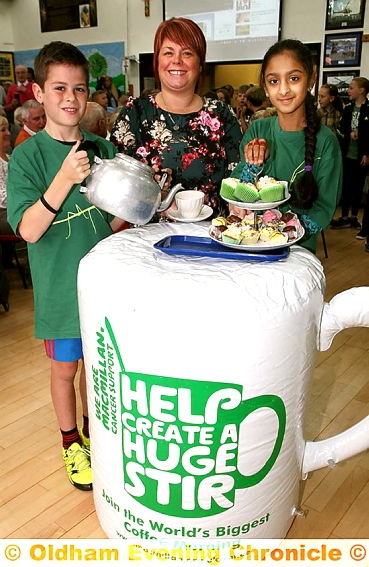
(199, 372)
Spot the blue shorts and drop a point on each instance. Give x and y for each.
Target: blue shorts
(64, 350)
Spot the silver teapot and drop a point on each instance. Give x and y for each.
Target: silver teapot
(126, 188)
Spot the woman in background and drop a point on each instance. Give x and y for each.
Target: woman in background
(196, 139)
(330, 106)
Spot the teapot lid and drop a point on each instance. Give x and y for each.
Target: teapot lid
(134, 163)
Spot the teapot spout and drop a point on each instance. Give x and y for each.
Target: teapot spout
(164, 205)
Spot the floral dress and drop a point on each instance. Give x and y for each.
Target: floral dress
(201, 148)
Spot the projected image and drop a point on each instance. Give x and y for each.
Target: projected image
(243, 5)
(242, 30)
(207, 28)
(232, 27)
(242, 17)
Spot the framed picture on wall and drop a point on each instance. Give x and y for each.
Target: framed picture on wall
(344, 14)
(340, 79)
(67, 15)
(7, 66)
(342, 49)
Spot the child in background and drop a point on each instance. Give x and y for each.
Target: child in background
(330, 106)
(353, 133)
(294, 146)
(101, 97)
(243, 112)
(47, 210)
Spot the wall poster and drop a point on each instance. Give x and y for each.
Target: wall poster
(7, 66)
(104, 59)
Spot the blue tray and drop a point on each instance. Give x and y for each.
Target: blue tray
(200, 246)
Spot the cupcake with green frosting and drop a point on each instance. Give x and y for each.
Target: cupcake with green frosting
(228, 187)
(270, 190)
(246, 192)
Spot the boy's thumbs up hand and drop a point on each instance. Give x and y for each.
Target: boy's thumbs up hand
(76, 166)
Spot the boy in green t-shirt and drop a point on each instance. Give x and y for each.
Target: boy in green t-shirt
(46, 208)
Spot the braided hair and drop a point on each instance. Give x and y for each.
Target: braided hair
(304, 192)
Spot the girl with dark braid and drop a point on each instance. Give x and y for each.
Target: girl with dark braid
(294, 146)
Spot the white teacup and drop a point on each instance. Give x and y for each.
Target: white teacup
(189, 203)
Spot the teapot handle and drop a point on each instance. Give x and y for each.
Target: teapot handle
(345, 310)
(89, 145)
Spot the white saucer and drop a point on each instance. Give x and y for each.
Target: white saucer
(205, 213)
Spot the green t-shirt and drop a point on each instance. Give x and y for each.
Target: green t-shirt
(55, 257)
(287, 161)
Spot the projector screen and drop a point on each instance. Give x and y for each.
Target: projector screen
(235, 30)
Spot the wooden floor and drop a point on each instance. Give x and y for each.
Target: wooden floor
(36, 499)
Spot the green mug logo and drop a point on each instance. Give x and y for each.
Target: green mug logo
(181, 441)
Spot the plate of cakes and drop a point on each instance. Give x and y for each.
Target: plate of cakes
(266, 193)
(254, 232)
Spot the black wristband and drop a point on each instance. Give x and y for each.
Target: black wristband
(47, 206)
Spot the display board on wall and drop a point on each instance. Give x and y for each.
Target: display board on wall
(70, 14)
